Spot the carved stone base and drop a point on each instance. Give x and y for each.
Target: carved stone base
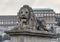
(31, 39)
(31, 36)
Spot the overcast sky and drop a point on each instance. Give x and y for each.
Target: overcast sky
(11, 7)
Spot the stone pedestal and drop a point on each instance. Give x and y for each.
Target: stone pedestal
(31, 36)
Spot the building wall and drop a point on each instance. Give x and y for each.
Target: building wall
(7, 22)
(48, 15)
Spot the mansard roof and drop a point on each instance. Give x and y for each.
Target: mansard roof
(7, 16)
(43, 9)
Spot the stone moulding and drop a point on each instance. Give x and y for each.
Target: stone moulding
(31, 33)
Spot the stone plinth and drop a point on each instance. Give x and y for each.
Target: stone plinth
(31, 36)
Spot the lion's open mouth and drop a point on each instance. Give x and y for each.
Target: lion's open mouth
(23, 18)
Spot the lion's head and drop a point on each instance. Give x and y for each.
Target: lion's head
(24, 13)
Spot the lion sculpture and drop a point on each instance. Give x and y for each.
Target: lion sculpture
(26, 18)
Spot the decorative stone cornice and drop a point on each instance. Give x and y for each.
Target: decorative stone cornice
(31, 33)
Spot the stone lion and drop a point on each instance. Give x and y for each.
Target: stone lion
(26, 18)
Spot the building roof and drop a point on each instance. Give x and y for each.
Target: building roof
(44, 9)
(8, 17)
